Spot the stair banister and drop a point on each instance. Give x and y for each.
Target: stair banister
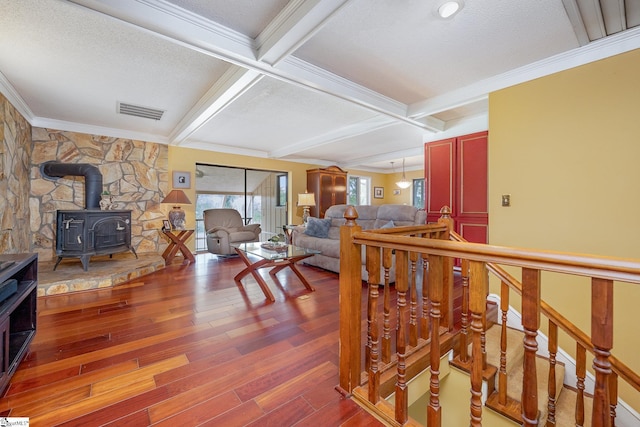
(580, 337)
(602, 271)
(606, 366)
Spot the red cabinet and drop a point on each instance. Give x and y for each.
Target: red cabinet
(456, 176)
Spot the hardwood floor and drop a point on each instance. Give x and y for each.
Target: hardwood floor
(186, 346)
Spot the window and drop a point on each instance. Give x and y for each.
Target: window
(281, 190)
(418, 193)
(359, 191)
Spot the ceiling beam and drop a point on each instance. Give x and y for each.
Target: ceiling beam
(233, 83)
(294, 25)
(192, 31)
(349, 131)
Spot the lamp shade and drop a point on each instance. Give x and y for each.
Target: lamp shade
(404, 182)
(306, 199)
(177, 197)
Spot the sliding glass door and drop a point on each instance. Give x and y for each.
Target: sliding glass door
(256, 194)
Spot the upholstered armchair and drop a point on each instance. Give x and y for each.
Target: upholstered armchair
(224, 227)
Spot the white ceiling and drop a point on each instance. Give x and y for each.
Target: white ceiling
(356, 83)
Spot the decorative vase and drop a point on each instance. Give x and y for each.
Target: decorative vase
(177, 218)
(106, 202)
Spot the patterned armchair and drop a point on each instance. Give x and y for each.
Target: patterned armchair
(224, 227)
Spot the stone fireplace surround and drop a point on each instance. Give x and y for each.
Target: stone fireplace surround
(135, 174)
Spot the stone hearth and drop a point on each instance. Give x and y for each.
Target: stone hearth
(105, 272)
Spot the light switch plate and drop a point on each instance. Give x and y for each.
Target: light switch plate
(506, 200)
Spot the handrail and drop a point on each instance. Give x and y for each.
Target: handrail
(578, 335)
(608, 268)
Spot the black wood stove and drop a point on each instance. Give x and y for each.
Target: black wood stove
(87, 232)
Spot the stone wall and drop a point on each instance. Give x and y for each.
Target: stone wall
(15, 153)
(134, 173)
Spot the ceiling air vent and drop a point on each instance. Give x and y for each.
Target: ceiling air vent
(138, 111)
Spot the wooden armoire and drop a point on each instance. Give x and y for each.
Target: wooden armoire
(456, 176)
(329, 186)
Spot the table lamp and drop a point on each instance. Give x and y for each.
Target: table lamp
(306, 200)
(177, 215)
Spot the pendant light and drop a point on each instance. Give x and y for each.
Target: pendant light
(404, 182)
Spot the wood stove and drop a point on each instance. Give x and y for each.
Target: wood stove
(84, 233)
(90, 231)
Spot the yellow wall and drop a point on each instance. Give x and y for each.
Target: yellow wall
(567, 149)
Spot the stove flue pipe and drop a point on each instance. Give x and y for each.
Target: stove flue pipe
(92, 179)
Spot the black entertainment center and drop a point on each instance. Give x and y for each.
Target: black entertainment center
(18, 299)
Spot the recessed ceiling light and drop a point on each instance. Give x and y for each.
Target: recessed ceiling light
(448, 9)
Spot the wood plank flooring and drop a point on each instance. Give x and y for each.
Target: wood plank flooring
(186, 346)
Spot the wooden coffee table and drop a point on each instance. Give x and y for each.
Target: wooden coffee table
(285, 256)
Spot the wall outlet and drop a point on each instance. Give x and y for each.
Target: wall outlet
(506, 200)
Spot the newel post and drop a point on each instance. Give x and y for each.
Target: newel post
(446, 309)
(350, 303)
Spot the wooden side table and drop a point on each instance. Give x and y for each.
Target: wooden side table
(177, 240)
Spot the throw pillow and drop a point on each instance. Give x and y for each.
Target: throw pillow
(318, 227)
(390, 224)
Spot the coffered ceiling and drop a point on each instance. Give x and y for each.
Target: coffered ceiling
(356, 83)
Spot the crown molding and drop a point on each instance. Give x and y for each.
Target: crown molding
(66, 126)
(601, 49)
(15, 99)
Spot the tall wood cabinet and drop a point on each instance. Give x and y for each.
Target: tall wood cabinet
(329, 186)
(456, 176)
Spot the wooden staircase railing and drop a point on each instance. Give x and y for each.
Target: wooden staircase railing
(424, 327)
(602, 315)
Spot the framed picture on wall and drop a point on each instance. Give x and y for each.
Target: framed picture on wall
(181, 179)
(378, 192)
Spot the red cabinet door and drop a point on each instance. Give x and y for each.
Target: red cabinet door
(456, 176)
(439, 170)
(471, 213)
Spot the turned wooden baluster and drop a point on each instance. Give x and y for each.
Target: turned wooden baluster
(502, 373)
(436, 279)
(350, 306)
(602, 340)
(478, 286)
(402, 284)
(581, 372)
(425, 321)
(531, 324)
(613, 396)
(553, 349)
(413, 295)
(373, 327)
(387, 259)
(464, 319)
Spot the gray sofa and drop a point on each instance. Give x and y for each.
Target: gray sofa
(369, 218)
